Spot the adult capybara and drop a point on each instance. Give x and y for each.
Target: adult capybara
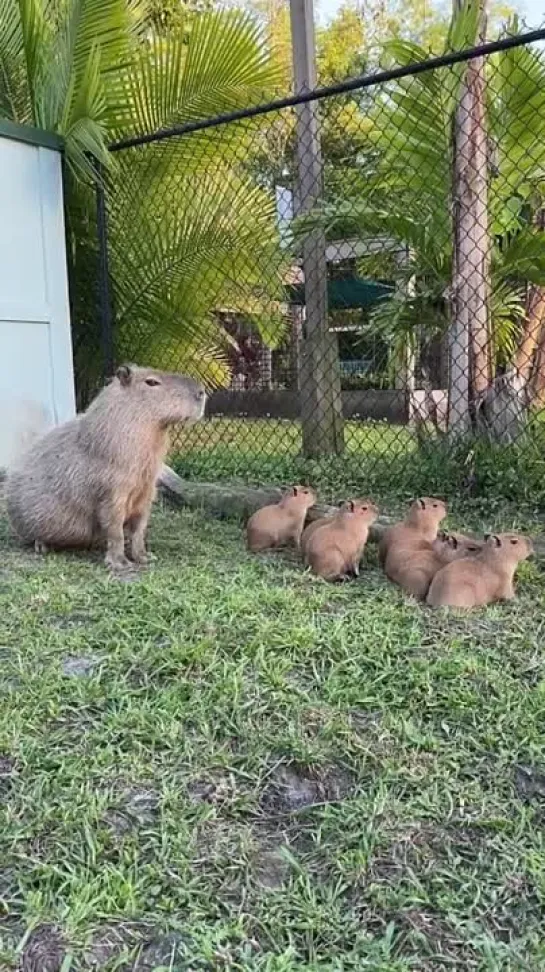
(280, 523)
(90, 479)
(484, 578)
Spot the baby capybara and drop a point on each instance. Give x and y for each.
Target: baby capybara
(484, 578)
(414, 570)
(335, 550)
(417, 530)
(280, 523)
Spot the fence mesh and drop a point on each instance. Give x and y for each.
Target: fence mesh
(359, 280)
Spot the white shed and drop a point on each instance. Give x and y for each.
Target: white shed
(36, 369)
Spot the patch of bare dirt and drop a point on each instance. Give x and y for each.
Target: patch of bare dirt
(80, 666)
(44, 950)
(292, 788)
(215, 789)
(271, 867)
(530, 782)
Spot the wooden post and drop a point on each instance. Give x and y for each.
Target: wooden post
(469, 337)
(320, 386)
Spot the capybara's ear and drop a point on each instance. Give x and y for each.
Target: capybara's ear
(295, 490)
(421, 504)
(452, 542)
(493, 540)
(350, 505)
(124, 374)
(443, 536)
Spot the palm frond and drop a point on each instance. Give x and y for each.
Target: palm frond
(220, 64)
(15, 96)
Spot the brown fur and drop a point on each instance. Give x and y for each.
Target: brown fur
(90, 479)
(311, 530)
(280, 523)
(416, 532)
(487, 577)
(415, 571)
(335, 550)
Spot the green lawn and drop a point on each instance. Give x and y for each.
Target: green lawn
(230, 765)
(272, 436)
(380, 459)
(269, 451)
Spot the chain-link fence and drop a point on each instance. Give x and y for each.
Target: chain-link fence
(358, 278)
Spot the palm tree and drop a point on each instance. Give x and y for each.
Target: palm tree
(405, 195)
(188, 227)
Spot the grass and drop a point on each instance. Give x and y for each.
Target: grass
(230, 765)
(265, 451)
(378, 458)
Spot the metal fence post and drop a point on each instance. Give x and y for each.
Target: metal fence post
(104, 289)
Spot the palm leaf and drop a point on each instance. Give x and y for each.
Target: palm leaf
(221, 64)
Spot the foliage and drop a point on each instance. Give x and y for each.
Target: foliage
(56, 61)
(95, 71)
(404, 194)
(340, 53)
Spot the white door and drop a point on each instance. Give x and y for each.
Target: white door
(36, 372)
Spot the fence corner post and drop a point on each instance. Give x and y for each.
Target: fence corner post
(104, 288)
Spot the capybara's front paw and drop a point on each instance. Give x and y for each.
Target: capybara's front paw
(142, 557)
(119, 565)
(40, 548)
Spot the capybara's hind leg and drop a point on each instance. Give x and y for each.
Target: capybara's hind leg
(40, 548)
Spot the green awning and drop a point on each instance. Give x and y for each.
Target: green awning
(346, 294)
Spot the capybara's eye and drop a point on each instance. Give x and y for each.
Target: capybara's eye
(364, 509)
(153, 382)
(435, 505)
(513, 540)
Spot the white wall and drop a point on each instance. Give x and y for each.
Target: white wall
(36, 373)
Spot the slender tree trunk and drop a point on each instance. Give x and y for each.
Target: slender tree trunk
(535, 317)
(296, 316)
(529, 360)
(265, 368)
(405, 378)
(469, 333)
(537, 385)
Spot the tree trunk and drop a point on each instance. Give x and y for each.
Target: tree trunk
(265, 368)
(296, 335)
(405, 376)
(469, 332)
(524, 363)
(537, 386)
(238, 502)
(535, 318)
